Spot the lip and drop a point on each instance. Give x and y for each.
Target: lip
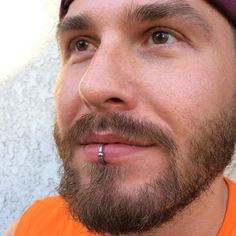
(116, 149)
(109, 138)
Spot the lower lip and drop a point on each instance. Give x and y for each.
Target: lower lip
(113, 153)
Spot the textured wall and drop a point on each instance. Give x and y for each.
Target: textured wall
(28, 161)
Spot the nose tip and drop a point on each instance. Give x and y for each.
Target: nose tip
(105, 97)
(106, 87)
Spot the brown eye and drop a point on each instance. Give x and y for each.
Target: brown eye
(83, 45)
(161, 37)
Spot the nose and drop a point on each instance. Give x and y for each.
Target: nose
(107, 84)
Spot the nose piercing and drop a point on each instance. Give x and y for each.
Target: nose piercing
(101, 155)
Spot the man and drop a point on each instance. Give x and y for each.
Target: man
(146, 102)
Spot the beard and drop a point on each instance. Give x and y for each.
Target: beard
(101, 205)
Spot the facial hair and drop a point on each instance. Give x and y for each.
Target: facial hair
(103, 208)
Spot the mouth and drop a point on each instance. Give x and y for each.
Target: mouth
(116, 149)
(110, 138)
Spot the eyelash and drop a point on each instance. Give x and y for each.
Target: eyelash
(178, 36)
(73, 42)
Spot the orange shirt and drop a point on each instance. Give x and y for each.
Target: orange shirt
(50, 217)
(229, 225)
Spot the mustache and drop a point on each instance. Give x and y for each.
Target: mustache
(119, 124)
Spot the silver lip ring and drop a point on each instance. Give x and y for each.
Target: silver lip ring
(101, 154)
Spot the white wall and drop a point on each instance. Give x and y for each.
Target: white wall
(28, 161)
(28, 68)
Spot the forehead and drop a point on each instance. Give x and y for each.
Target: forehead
(115, 7)
(107, 12)
(120, 12)
(228, 8)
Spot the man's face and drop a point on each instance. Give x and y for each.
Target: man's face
(154, 82)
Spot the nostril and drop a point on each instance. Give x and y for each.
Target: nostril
(114, 100)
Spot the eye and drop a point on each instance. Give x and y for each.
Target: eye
(161, 37)
(81, 45)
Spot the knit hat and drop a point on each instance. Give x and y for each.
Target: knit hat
(64, 8)
(227, 7)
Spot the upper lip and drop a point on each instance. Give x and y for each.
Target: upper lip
(111, 138)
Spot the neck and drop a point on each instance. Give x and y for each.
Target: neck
(202, 217)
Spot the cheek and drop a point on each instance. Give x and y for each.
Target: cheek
(186, 91)
(68, 102)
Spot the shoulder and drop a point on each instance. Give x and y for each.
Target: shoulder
(47, 207)
(46, 216)
(229, 224)
(231, 188)
(40, 212)
(44, 207)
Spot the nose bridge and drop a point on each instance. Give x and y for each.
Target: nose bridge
(105, 80)
(106, 63)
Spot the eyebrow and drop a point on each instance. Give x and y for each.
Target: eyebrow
(142, 13)
(78, 23)
(170, 9)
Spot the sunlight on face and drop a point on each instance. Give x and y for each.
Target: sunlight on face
(26, 26)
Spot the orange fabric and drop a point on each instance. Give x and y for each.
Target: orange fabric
(50, 217)
(229, 225)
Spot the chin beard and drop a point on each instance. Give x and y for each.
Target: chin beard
(103, 207)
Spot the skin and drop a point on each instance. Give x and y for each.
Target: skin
(175, 85)
(156, 88)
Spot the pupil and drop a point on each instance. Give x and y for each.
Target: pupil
(82, 45)
(160, 37)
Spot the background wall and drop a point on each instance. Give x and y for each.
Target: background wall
(28, 160)
(28, 68)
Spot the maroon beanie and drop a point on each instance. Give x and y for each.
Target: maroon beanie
(64, 8)
(227, 7)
